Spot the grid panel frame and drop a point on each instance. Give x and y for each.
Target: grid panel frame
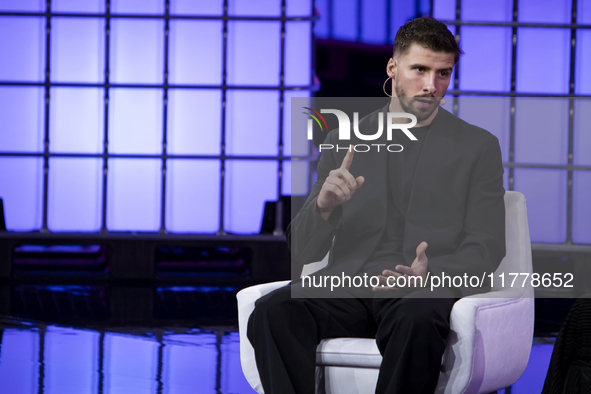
(513, 94)
(514, 24)
(511, 165)
(163, 156)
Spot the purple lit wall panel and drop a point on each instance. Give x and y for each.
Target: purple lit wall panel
(190, 43)
(486, 11)
(344, 20)
(193, 196)
(293, 146)
(373, 22)
(135, 117)
(194, 121)
(252, 121)
(544, 11)
(192, 7)
(490, 113)
(581, 207)
(137, 7)
(541, 130)
(253, 53)
(87, 6)
(130, 364)
(538, 51)
(321, 26)
(584, 12)
(70, 358)
(254, 7)
(583, 62)
(444, 9)
(298, 51)
(22, 45)
(77, 47)
(187, 370)
(133, 194)
(19, 370)
(76, 121)
(298, 7)
(249, 183)
(402, 11)
(137, 48)
(545, 191)
(74, 194)
(21, 188)
(582, 136)
(295, 178)
(22, 5)
(493, 60)
(21, 119)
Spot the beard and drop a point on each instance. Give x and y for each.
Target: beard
(414, 105)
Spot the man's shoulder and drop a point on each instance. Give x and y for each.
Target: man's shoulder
(465, 130)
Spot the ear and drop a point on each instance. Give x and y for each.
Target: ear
(392, 67)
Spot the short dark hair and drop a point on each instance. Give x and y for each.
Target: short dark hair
(428, 33)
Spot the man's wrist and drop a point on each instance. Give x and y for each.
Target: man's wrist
(321, 210)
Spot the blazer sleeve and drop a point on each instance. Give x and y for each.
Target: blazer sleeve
(309, 237)
(481, 244)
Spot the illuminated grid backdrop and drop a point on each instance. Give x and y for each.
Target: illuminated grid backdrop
(148, 115)
(526, 59)
(527, 72)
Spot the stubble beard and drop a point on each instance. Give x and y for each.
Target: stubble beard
(406, 104)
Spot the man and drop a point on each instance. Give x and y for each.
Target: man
(441, 196)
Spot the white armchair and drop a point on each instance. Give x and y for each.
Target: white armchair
(489, 343)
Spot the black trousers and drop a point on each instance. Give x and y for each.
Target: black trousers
(411, 334)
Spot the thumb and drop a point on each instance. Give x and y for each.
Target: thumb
(421, 251)
(360, 180)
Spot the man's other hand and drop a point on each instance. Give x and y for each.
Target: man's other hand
(389, 278)
(339, 186)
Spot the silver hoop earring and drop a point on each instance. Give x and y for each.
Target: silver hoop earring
(384, 87)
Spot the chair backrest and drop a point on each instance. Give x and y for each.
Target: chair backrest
(518, 258)
(518, 248)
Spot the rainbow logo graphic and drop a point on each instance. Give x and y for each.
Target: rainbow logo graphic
(316, 119)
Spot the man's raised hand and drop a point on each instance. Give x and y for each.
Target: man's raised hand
(339, 186)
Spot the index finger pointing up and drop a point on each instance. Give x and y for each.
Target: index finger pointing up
(348, 158)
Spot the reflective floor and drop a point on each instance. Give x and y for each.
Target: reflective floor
(39, 358)
(105, 339)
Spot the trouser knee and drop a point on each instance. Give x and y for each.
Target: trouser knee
(268, 309)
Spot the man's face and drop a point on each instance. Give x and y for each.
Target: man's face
(422, 75)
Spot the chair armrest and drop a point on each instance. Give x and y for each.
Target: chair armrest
(246, 299)
(481, 330)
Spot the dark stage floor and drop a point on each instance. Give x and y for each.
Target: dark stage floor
(139, 339)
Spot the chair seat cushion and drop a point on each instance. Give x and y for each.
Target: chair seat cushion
(357, 352)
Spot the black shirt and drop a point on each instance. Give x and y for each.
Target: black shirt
(400, 172)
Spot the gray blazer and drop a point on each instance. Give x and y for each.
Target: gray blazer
(456, 205)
